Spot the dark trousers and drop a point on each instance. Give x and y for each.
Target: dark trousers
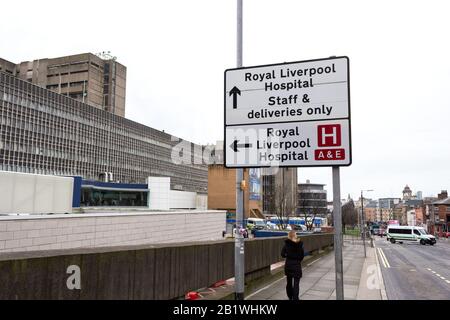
(292, 287)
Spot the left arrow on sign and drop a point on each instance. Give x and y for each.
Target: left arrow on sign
(235, 145)
(234, 92)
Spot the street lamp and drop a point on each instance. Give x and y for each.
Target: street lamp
(363, 224)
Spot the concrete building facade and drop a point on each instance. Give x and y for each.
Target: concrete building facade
(279, 185)
(49, 133)
(8, 67)
(386, 208)
(312, 199)
(99, 81)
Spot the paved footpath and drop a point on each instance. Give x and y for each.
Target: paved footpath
(362, 277)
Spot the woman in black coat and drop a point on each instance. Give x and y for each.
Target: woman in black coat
(293, 252)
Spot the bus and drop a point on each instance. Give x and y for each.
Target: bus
(298, 223)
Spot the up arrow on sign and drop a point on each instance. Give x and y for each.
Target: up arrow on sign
(234, 92)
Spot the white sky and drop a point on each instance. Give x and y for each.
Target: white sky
(176, 52)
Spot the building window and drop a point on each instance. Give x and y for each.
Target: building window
(91, 197)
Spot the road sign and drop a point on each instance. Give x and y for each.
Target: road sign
(309, 143)
(290, 114)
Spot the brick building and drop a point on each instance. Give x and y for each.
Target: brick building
(222, 191)
(441, 213)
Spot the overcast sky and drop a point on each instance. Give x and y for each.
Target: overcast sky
(176, 52)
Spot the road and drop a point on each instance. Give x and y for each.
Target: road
(415, 272)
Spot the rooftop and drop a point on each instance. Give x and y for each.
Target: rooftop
(444, 201)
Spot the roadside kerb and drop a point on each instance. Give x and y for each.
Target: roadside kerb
(380, 275)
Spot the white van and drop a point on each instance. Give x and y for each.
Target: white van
(408, 233)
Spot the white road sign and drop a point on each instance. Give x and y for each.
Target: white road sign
(278, 115)
(299, 91)
(310, 143)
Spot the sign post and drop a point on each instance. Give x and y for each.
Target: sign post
(239, 268)
(337, 222)
(293, 114)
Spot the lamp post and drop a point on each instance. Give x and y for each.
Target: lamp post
(363, 224)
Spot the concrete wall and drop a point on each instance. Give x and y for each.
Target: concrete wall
(32, 233)
(159, 198)
(7, 66)
(137, 272)
(182, 199)
(162, 198)
(202, 201)
(33, 193)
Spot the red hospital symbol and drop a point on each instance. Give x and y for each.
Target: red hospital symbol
(329, 135)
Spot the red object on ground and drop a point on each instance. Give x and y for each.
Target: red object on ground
(192, 295)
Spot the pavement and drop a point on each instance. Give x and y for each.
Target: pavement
(415, 272)
(400, 271)
(362, 277)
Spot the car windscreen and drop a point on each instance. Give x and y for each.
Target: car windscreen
(422, 231)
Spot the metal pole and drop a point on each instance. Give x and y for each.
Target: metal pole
(363, 224)
(337, 216)
(239, 271)
(362, 212)
(239, 34)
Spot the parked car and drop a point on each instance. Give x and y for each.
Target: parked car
(446, 234)
(374, 229)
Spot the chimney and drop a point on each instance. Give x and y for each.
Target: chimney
(443, 195)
